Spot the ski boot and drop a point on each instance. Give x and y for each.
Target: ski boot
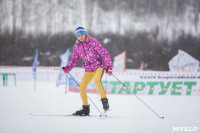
(105, 103)
(84, 111)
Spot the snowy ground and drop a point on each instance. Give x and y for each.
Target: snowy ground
(128, 114)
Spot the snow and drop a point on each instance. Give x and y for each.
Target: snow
(106, 41)
(128, 114)
(28, 58)
(167, 21)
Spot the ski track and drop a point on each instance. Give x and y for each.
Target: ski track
(128, 114)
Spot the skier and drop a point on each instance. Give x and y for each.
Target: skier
(96, 59)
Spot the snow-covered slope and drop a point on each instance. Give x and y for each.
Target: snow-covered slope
(128, 114)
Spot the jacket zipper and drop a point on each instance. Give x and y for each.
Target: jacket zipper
(86, 56)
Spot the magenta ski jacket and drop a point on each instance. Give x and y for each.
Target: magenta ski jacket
(93, 54)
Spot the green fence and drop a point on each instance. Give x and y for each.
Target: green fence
(5, 78)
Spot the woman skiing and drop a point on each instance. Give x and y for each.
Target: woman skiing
(96, 59)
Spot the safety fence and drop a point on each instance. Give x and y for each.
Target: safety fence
(137, 82)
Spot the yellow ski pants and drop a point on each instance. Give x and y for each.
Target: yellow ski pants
(87, 78)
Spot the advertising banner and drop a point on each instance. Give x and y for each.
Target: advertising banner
(119, 63)
(144, 83)
(183, 62)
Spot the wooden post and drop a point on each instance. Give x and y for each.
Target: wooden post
(66, 89)
(67, 84)
(34, 85)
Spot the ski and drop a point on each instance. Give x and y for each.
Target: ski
(104, 114)
(49, 114)
(62, 115)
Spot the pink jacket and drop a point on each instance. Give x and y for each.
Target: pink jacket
(92, 53)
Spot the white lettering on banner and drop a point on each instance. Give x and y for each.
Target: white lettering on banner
(184, 129)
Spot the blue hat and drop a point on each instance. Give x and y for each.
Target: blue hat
(80, 30)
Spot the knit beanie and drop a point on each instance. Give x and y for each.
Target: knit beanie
(80, 30)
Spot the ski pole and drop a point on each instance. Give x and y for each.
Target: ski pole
(87, 95)
(161, 117)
